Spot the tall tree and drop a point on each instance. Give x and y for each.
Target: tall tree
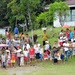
(3, 11)
(24, 10)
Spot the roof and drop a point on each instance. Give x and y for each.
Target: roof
(70, 2)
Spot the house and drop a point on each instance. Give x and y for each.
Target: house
(70, 20)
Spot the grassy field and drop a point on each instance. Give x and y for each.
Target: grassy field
(3, 72)
(47, 68)
(52, 33)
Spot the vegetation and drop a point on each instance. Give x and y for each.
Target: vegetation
(47, 68)
(58, 8)
(15, 12)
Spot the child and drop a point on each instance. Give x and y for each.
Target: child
(3, 60)
(62, 55)
(54, 55)
(31, 53)
(22, 59)
(47, 48)
(8, 59)
(25, 55)
(58, 56)
(22, 36)
(13, 58)
(45, 55)
(41, 52)
(55, 60)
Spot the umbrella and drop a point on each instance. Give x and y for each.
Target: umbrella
(65, 26)
(4, 45)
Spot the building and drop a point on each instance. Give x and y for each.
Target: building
(70, 20)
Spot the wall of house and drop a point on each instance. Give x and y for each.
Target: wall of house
(69, 20)
(2, 31)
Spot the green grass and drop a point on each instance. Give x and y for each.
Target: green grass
(52, 33)
(47, 68)
(3, 72)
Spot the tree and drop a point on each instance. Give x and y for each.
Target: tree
(3, 11)
(43, 18)
(24, 10)
(60, 9)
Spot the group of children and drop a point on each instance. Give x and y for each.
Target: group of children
(21, 52)
(21, 56)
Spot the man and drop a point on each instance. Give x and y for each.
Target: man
(16, 31)
(45, 37)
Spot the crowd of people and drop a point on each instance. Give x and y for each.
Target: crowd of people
(20, 50)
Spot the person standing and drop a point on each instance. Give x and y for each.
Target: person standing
(45, 37)
(16, 31)
(31, 54)
(22, 59)
(3, 60)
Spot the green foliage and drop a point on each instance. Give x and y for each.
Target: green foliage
(43, 17)
(24, 10)
(58, 7)
(19, 11)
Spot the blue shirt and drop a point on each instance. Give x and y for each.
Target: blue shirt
(16, 30)
(71, 35)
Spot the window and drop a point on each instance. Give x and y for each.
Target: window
(73, 15)
(68, 17)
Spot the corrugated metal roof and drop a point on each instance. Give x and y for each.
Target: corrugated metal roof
(70, 2)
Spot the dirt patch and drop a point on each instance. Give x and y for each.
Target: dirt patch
(21, 70)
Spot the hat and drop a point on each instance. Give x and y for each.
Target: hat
(46, 41)
(18, 47)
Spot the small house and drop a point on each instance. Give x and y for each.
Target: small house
(70, 19)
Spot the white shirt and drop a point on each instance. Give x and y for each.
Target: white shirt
(47, 46)
(3, 58)
(25, 53)
(37, 48)
(65, 38)
(18, 52)
(41, 51)
(27, 46)
(66, 45)
(73, 39)
(61, 39)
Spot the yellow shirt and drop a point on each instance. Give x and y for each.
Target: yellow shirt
(21, 35)
(45, 37)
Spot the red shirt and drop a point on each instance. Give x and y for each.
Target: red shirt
(68, 34)
(45, 55)
(31, 51)
(74, 31)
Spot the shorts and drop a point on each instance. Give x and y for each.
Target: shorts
(25, 58)
(31, 56)
(37, 55)
(9, 61)
(12, 61)
(45, 58)
(55, 60)
(43, 43)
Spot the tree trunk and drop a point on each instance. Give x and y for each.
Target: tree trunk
(30, 18)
